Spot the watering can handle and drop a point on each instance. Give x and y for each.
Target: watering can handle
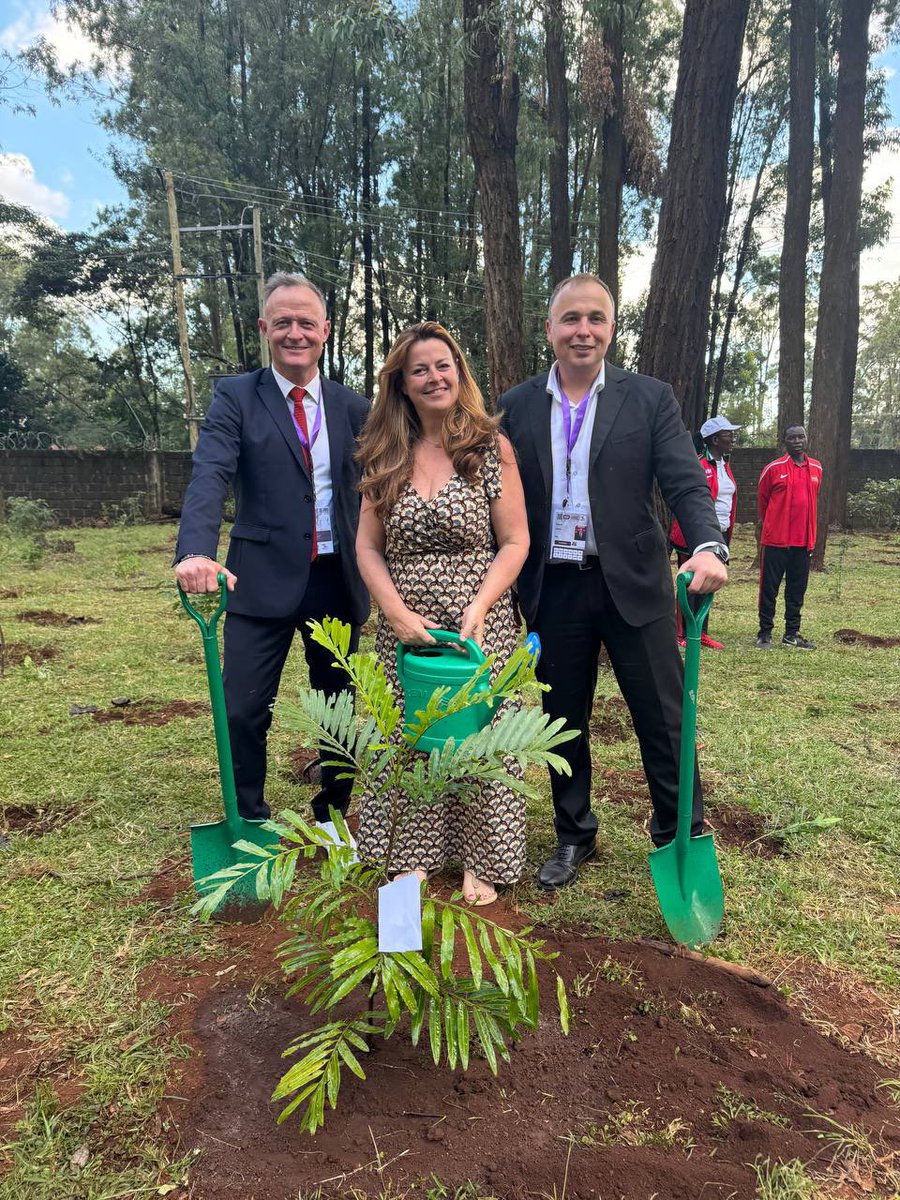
(474, 651)
(208, 627)
(693, 620)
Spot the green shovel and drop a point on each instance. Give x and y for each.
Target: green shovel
(212, 844)
(685, 872)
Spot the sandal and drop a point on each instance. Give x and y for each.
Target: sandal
(476, 892)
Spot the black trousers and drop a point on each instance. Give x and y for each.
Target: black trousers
(790, 563)
(575, 618)
(694, 601)
(255, 650)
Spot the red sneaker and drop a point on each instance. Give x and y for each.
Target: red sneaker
(707, 641)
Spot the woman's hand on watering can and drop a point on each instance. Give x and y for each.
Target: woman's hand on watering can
(411, 629)
(472, 624)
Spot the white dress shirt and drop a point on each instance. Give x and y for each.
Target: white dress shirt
(321, 457)
(579, 499)
(724, 495)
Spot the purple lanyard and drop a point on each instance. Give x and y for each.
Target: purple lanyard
(571, 431)
(317, 425)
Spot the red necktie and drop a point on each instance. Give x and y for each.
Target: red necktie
(297, 394)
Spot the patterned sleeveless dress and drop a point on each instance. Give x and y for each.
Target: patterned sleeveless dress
(438, 552)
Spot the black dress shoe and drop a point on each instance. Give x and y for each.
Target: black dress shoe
(562, 868)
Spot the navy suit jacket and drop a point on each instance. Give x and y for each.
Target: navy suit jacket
(248, 440)
(638, 439)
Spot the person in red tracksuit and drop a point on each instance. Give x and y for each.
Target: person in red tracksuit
(788, 495)
(718, 438)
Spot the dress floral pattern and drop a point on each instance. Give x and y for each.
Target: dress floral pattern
(438, 552)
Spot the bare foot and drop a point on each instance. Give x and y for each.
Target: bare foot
(418, 872)
(477, 892)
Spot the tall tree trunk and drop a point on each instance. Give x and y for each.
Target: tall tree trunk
(837, 333)
(690, 222)
(612, 173)
(826, 95)
(491, 90)
(368, 274)
(558, 129)
(792, 280)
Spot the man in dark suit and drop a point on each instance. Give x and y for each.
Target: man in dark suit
(285, 439)
(591, 441)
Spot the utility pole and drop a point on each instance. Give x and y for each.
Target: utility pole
(180, 311)
(260, 281)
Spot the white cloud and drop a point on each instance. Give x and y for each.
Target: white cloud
(18, 184)
(35, 21)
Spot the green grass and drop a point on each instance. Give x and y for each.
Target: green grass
(788, 737)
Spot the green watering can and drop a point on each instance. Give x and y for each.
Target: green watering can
(424, 668)
(212, 844)
(686, 872)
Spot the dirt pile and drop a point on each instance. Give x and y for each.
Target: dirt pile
(676, 1076)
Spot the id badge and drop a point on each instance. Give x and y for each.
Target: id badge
(324, 534)
(569, 535)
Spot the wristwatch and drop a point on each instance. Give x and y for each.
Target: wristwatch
(719, 549)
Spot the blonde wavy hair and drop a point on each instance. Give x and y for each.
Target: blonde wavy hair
(388, 440)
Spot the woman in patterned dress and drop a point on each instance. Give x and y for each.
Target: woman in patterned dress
(442, 537)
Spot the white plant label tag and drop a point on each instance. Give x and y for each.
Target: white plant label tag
(329, 828)
(400, 915)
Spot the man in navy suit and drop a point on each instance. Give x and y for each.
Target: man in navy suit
(591, 441)
(284, 438)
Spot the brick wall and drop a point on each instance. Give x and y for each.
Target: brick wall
(748, 461)
(77, 484)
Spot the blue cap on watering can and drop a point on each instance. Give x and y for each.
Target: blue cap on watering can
(533, 646)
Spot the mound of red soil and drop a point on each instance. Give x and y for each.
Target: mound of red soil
(149, 712)
(14, 653)
(46, 616)
(676, 1076)
(853, 637)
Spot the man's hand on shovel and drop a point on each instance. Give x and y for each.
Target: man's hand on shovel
(198, 574)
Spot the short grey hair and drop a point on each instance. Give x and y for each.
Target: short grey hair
(282, 279)
(585, 277)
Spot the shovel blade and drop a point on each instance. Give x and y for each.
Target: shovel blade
(212, 850)
(689, 890)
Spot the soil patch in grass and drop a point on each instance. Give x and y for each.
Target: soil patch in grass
(13, 654)
(150, 712)
(45, 616)
(853, 637)
(10, 593)
(611, 720)
(303, 766)
(734, 826)
(676, 1075)
(34, 820)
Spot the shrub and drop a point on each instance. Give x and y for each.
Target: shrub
(25, 517)
(332, 953)
(876, 506)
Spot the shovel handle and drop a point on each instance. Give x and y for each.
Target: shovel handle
(217, 701)
(688, 751)
(693, 621)
(208, 627)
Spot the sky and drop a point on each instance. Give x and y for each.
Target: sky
(54, 161)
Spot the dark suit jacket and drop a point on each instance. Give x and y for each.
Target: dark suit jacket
(638, 437)
(249, 440)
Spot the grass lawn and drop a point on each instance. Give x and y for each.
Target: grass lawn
(91, 811)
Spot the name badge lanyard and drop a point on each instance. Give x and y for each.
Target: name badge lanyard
(571, 431)
(308, 444)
